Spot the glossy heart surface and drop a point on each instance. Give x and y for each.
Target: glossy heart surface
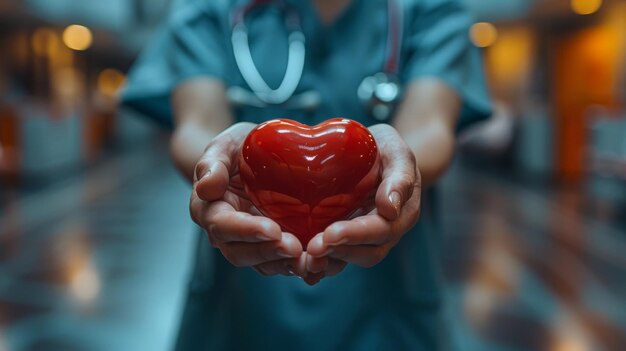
(305, 178)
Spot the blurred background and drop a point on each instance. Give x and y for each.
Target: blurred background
(95, 239)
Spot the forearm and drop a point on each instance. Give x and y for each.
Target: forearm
(201, 111)
(426, 120)
(433, 146)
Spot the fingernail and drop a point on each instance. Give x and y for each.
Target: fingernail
(201, 172)
(308, 266)
(206, 174)
(395, 200)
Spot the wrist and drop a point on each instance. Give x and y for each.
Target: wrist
(187, 144)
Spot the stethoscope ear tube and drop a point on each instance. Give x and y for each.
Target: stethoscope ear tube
(250, 73)
(239, 96)
(307, 101)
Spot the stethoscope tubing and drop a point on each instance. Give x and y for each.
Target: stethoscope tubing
(264, 94)
(252, 76)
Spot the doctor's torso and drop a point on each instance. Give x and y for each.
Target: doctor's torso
(394, 305)
(338, 55)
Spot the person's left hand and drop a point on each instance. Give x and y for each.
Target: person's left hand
(366, 240)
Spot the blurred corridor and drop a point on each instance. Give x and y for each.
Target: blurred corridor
(95, 236)
(542, 272)
(96, 261)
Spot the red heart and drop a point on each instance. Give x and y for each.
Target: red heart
(305, 178)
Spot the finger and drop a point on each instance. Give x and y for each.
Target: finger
(316, 246)
(225, 224)
(400, 178)
(316, 264)
(215, 175)
(278, 267)
(334, 267)
(371, 229)
(197, 208)
(314, 278)
(219, 160)
(300, 268)
(367, 230)
(329, 266)
(243, 254)
(363, 255)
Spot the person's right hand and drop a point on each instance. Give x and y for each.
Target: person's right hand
(219, 205)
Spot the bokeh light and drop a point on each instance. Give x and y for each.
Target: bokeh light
(85, 285)
(569, 334)
(43, 40)
(77, 37)
(586, 7)
(3, 344)
(110, 81)
(483, 34)
(68, 84)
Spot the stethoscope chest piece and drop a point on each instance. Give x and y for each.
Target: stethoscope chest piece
(380, 93)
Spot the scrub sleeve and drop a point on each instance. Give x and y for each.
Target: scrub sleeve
(438, 46)
(191, 44)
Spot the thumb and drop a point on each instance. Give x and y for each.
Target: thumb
(219, 161)
(214, 176)
(400, 176)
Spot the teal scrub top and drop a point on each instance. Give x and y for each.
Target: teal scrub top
(396, 305)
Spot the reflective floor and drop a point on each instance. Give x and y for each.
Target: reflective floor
(98, 261)
(533, 268)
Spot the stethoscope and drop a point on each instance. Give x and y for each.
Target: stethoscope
(379, 93)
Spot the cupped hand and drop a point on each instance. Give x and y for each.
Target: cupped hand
(219, 205)
(366, 240)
